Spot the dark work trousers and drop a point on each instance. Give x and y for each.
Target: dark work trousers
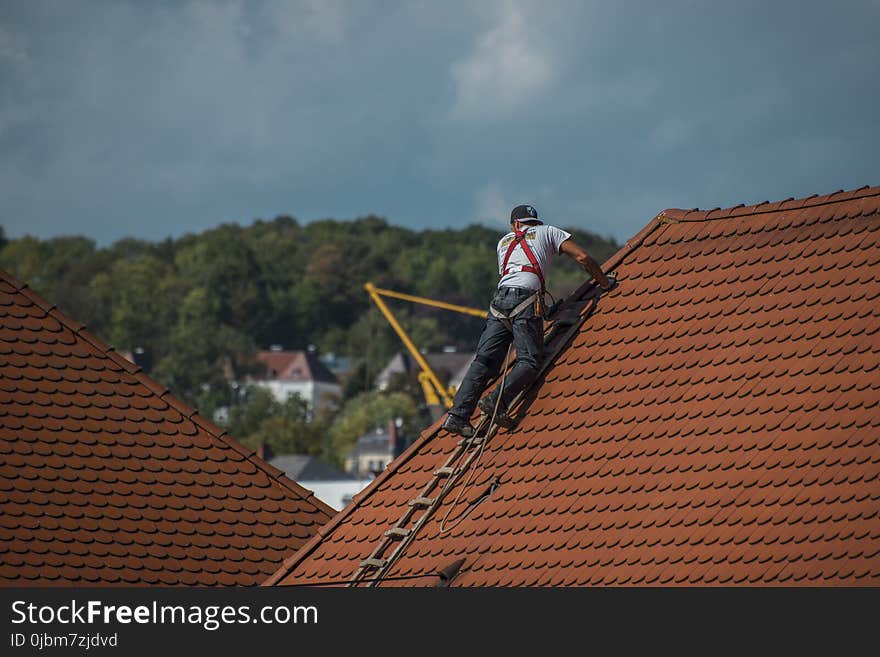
(528, 338)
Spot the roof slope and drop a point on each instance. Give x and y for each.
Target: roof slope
(446, 365)
(106, 478)
(305, 467)
(713, 420)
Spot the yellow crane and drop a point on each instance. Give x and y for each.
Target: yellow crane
(434, 390)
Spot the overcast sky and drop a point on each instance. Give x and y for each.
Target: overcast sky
(149, 119)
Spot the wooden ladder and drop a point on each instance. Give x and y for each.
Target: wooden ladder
(376, 566)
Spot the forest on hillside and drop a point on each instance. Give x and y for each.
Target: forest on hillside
(202, 301)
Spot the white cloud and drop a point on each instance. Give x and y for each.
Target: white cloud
(12, 47)
(491, 206)
(154, 118)
(670, 132)
(15, 70)
(510, 64)
(325, 21)
(493, 203)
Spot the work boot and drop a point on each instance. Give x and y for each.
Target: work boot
(455, 424)
(487, 405)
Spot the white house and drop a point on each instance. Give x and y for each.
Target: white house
(298, 371)
(329, 484)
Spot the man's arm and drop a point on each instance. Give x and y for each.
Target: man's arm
(586, 261)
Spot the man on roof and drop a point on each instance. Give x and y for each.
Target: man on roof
(515, 314)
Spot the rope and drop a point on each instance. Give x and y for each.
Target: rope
(348, 582)
(473, 466)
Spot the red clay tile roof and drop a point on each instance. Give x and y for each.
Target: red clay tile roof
(106, 478)
(293, 366)
(713, 421)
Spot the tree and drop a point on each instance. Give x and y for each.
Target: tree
(224, 266)
(285, 427)
(254, 404)
(356, 380)
(143, 295)
(201, 304)
(60, 269)
(201, 346)
(365, 413)
(475, 274)
(26, 259)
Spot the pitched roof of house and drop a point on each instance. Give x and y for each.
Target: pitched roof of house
(297, 365)
(712, 420)
(376, 440)
(106, 478)
(446, 365)
(304, 467)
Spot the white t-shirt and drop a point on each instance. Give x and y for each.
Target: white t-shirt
(544, 241)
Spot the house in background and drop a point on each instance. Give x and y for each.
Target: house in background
(373, 451)
(329, 484)
(299, 372)
(106, 478)
(458, 375)
(449, 365)
(139, 357)
(340, 366)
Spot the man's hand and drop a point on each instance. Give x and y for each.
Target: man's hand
(610, 282)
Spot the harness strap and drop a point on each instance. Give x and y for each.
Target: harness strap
(534, 268)
(507, 319)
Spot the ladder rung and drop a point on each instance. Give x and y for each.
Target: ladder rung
(397, 532)
(445, 471)
(372, 563)
(470, 441)
(421, 501)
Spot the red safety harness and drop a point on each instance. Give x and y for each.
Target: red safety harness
(534, 268)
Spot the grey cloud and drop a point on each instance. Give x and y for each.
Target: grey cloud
(161, 118)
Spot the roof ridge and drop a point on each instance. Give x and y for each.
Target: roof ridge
(153, 386)
(318, 371)
(12, 280)
(790, 203)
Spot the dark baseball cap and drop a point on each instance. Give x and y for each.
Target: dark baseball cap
(525, 213)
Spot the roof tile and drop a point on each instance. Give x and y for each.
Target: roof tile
(107, 478)
(713, 422)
